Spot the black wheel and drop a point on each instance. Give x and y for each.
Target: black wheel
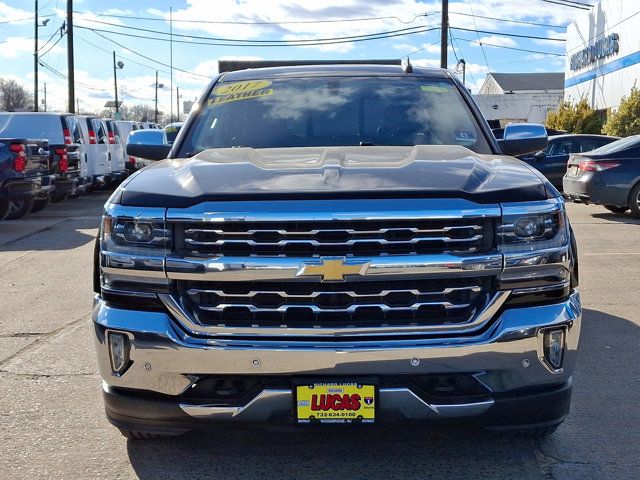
(40, 204)
(59, 197)
(19, 208)
(146, 435)
(634, 201)
(5, 205)
(616, 209)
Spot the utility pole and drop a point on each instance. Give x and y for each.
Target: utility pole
(155, 114)
(78, 105)
(444, 31)
(35, 60)
(171, 62)
(45, 96)
(70, 66)
(178, 102)
(115, 84)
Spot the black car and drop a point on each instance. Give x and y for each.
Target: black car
(552, 162)
(608, 176)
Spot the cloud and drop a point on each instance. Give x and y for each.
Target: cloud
(14, 15)
(15, 47)
(495, 40)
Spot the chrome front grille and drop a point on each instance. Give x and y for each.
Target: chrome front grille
(361, 304)
(336, 237)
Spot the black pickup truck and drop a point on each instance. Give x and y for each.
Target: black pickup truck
(338, 244)
(25, 180)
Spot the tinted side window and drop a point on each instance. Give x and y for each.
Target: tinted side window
(561, 147)
(591, 144)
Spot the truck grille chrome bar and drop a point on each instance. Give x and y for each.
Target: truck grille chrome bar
(319, 305)
(349, 238)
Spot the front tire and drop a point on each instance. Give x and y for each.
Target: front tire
(634, 201)
(19, 208)
(616, 209)
(133, 435)
(5, 206)
(40, 204)
(59, 197)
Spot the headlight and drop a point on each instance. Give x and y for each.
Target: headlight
(134, 243)
(532, 226)
(129, 233)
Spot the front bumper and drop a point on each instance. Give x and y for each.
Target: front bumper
(21, 188)
(507, 358)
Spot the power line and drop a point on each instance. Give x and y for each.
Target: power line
(285, 22)
(52, 46)
(422, 48)
(146, 57)
(580, 6)
(251, 42)
(503, 34)
(285, 44)
(455, 41)
(512, 48)
(478, 35)
(508, 20)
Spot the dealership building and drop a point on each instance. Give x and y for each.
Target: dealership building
(603, 54)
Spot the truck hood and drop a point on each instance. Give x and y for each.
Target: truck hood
(334, 172)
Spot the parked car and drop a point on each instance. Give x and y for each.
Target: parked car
(552, 161)
(172, 131)
(608, 176)
(116, 152)
(24, 177)
(98, 156)
(370, 256)
(125, 127)
(65, 148)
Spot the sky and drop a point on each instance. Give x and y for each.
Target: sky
(125, 26)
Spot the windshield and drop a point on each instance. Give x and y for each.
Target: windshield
(31, 126)
(343, 111)
(617, 146)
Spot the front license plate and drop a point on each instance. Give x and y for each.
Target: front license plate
(335, 402)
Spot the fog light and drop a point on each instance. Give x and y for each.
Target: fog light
(119, 352)
(554, 347)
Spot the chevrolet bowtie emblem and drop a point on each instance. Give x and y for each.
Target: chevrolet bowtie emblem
(333, 269)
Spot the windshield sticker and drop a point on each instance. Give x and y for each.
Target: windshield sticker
(240, 91)
(434, 88)
(465, 137)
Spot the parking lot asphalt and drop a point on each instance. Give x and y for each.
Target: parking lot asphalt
(53, 426)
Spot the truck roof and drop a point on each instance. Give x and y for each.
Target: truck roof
(331, 70)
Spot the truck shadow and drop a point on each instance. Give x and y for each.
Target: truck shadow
(588, 443)
(617, 217)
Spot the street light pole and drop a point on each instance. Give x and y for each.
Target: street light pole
(178, 103)
(155, 113)
(45, 96)
(115, 83)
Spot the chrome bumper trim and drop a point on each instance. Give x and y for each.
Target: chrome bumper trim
(400, 400)
(285, 268)
(195, 328)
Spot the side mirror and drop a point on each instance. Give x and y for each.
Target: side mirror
(521, 138)
(541, 155)
(148, 144)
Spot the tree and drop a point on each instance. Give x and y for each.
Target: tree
(575, 118)
(625, 120)
(13, 96)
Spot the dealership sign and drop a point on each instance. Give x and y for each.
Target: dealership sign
(603, 48)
